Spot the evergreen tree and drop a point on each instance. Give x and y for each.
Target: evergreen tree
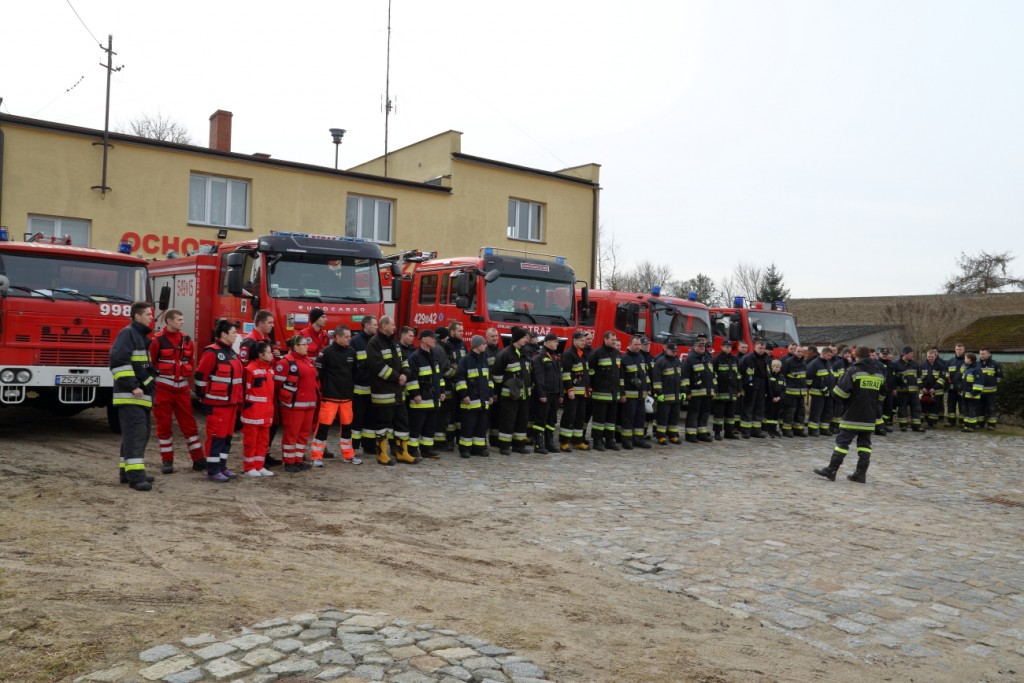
(772, 289)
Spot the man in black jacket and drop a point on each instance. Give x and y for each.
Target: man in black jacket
(727, 378)
(907, 374)
(511, 377)
(699, 385)
(336, 366)
(606, 388)
(547, 388)
(754, 371)
(861, 387)
(134, 385)
(425, 390)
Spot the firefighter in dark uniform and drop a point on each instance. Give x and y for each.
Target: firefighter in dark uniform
(388, 376)
(754, 369)
(953, 368)
(727, 380)
(636, 384)
(474, 392)
(820, 383)
(933, 387)
(907, 376)
(134, 386)
(843, 359)
(605, 390)
(971, 388)
(442, 416)
(649, 415)
(364, 417)
(667, 384)
(425, 389)
(448, 417)
(794, 371)
(776, 399)
(512, 381)
(888, 408)
(991, 375)
(576, 385)
(699, 386)
(861, 387)
(547, 389)
(493, 338)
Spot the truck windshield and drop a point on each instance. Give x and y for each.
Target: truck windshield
(318, 277)
(774, 327)
(512, 299)
(679, 324)
(53, 278)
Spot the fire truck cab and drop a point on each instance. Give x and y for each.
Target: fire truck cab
(61, 307)
(498, 288)
(287, 273)
(755, 320)
(660, 318)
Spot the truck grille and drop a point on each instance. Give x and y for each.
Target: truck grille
(48, 336)
(82, 357)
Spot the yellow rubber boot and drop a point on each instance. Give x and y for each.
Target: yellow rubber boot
(383, 456)
(403, 454)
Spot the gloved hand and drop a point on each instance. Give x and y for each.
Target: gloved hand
(205, 409)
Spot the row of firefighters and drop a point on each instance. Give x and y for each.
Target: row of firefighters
(403, 395)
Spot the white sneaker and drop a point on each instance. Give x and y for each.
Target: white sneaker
(317, 463)
(265, 472)
(253, 473)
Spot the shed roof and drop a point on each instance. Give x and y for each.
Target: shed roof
(819, 334)
(998, 333)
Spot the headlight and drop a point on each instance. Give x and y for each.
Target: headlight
(24, 376)
(7, 376)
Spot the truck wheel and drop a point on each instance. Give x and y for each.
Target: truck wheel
(114, 419)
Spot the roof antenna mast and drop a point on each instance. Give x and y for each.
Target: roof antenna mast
(387, 93)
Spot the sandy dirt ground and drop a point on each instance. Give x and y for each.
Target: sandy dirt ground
(92, 572)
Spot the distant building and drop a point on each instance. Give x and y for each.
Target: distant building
(872, 336)
(164, 196)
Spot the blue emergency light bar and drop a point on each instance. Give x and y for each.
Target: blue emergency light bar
(656, 290)
(560, 260)
(337, 238)
(4, 236)
(124, 248)
(692, 296)
(737, 302)
(488, 251)
(780, 305)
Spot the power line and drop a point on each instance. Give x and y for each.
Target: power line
(83, 23)
(66, 91)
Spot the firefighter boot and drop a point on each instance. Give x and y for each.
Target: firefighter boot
(167, 467)
(403, 454)
(549, 441)
(521, 447)
(581, 445)
(599, 444)
(718, 433)
(829, 472)
(641, 442)
(538, 444)
(691, 437)
(383, 455)
(610, 443)
(730, 432)
(859, 474)
(564, 444)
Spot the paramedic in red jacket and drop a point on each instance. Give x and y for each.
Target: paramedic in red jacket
(173, 355)
(297, 392)
(258, 409)
(218, 384)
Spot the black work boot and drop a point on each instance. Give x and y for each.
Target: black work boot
(610, 443)
(730, 432)
(691, 438)
(549, 442)
(718, 435)
(538, 444)
(829, 472)
(641, 443)
(860, 474)
(599, 444)
(167, 467)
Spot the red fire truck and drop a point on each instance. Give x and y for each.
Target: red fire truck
(660, 318)
(499, 288)
(61, 307)
(287, 273)
(750, 321)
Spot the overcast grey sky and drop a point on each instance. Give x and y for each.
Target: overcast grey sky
(860, 146)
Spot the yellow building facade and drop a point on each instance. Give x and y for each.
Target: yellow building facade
(162, 196)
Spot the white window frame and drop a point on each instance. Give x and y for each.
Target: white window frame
(229, 192)
(523, 211)
(381, 234)
(58, 225)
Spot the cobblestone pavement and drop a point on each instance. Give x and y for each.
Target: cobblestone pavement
(919, 567)
(331, 645)
(920, 571)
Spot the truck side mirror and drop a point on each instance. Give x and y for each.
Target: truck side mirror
(4, 284)
(396, 288)
(235, 276)
(492, 275)
(462, 286)
(165, 297)
(462, 302)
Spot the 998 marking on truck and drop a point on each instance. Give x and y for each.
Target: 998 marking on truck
(116, 309)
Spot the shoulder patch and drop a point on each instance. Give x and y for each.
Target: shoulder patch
(221, 356)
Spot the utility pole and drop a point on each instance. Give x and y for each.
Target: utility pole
(109, 66)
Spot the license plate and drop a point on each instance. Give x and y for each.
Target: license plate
(78, 380)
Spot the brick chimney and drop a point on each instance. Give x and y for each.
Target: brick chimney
(220, 130)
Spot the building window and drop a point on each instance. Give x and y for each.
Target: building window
(369, 218)
(524, 221)
(218, 201)
(77, 230)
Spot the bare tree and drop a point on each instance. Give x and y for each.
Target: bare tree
(983, 274)
(728, 289)
(922, 323)
(702, 285)
(749, 279)
(157, 127)
(607, 258)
